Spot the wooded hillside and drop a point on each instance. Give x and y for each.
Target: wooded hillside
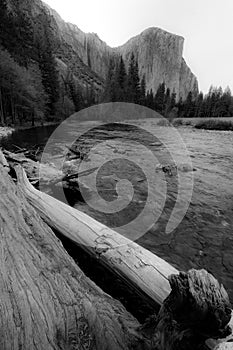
(31, 86)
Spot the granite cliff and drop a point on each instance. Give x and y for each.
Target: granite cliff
(159, 54)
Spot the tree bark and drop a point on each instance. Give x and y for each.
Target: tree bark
(12, 110)
(3, 161)
(46, 302)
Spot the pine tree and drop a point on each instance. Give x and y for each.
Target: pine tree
(173, 100)
(22, 94)
(133, 83)
(109, 93)
(225, 104)
(5, 24)
(167, 103)
(121, 80)
(47, 63)
(189, 109)
(160, 99)
(199, 106)
(180, 106)
(150, 99)
(16, 33)
(143, 91)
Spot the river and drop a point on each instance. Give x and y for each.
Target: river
(204, 237)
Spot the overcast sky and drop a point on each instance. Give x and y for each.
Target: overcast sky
(206, 25)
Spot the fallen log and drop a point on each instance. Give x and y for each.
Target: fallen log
(46, 302)
(144, 270)
(141, 269)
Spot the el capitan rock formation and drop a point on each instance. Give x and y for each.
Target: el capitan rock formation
(159, 54)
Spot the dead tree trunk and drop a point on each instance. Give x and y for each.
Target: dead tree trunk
(197, 308)
(46, 302)
(139, 267)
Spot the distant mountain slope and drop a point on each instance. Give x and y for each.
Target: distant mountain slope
(159, 56)
(55, 69)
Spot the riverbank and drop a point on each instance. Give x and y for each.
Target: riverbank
(37, 125)
(219, 124)
(7, 130)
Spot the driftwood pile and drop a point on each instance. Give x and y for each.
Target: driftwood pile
(47, 175)
(46, 302)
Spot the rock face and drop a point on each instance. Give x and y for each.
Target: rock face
(159, 54)
(188, 81)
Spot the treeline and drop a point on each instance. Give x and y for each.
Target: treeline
(125, 85)
(30, 86)
(216, 103)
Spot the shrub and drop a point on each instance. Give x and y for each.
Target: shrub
(178, 122)
(163, 122)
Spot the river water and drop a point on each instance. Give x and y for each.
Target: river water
(204, 237)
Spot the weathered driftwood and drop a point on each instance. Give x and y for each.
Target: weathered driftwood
(47, 173)
(68, 177)
(46, 302)
(139, 267)
(196, 309)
